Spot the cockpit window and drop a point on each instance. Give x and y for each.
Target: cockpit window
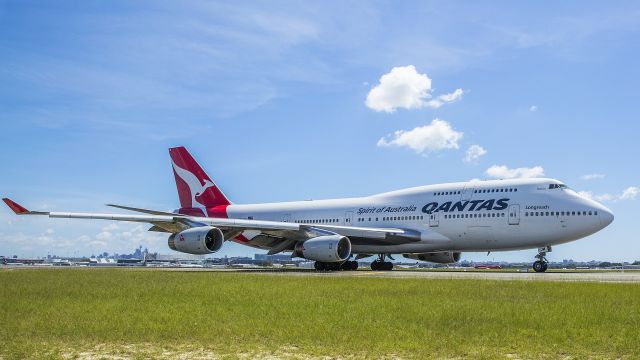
(558, 186)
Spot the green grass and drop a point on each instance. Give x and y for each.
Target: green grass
(51, 313)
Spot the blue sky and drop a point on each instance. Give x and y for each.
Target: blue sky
(271, 98)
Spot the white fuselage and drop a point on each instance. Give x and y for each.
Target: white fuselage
(468, 216)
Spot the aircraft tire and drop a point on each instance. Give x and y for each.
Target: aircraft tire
(333, 266)
(539, 266)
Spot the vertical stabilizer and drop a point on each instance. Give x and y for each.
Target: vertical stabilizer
(195, 187)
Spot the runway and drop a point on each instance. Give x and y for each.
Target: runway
(566, 276)
(631, 276)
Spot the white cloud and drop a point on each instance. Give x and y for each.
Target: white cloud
(474, 152)
(503, 172)
(533, 108)
(403, 87)
(97, 244)
(111, 227)
(592, 176)
(439, 135)
(629, 193)
(443, 99)
(104, 236)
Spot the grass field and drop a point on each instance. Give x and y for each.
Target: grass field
(138, 313)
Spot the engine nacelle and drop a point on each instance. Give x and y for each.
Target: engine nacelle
(329, 248)
(198, 241)
(442, 257)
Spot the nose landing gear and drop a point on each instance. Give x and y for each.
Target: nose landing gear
(541, 264)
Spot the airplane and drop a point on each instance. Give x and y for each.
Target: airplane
(433, 223)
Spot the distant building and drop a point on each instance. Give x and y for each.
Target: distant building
(179, 257)
(273, 258)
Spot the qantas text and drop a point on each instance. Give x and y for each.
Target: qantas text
(472, 205)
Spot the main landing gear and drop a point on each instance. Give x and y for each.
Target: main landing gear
(380, 264)
(335, 266)
(541, 264)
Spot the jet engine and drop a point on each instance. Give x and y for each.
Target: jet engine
(442, 257)
(329, 248)
(198, 241)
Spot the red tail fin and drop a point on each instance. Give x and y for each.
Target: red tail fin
(195, 188)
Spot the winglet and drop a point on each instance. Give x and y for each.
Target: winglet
(17, 208)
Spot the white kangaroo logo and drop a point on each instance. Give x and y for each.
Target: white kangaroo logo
(195, 187)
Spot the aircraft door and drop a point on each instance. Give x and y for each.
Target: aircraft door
(467, 192)
(434, 220)
(514, 214)
(348, 218)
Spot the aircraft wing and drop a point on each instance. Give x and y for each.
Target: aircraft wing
(273, 232)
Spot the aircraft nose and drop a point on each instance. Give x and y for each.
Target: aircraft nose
(606, 217)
